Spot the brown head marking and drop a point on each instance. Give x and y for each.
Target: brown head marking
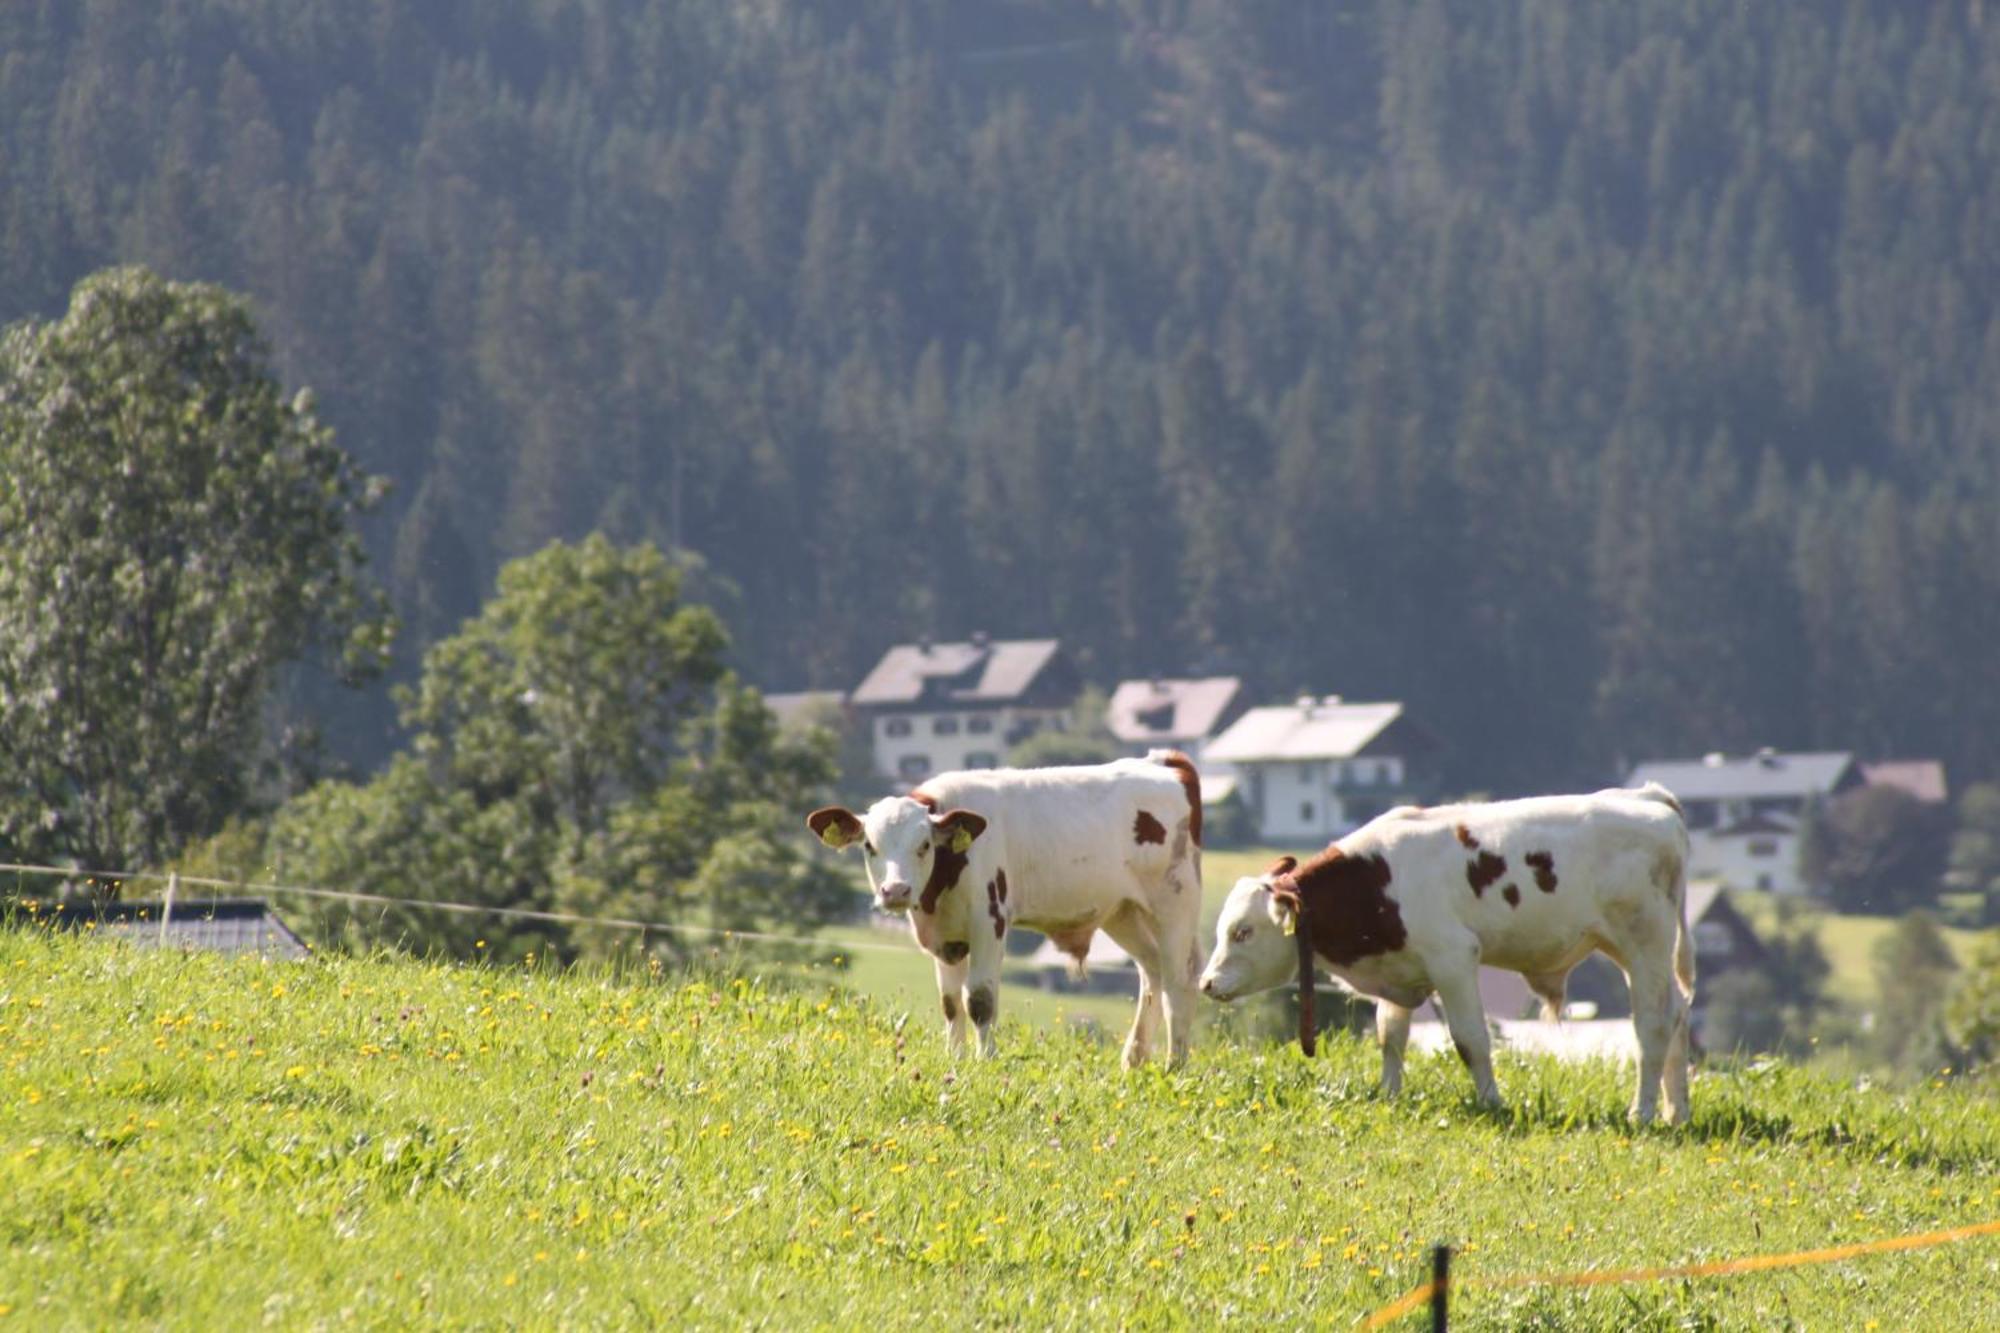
(1482, 871)
(1348, 913)
(946, 866)
(1545, 870)
(1465, 838)
(1191, 784)
(1147, 829)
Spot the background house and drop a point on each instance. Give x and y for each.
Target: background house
(935, 707)
(1745, 814)
(1313, 770)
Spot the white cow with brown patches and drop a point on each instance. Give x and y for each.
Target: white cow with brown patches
(1413, 903)
(1066, 851)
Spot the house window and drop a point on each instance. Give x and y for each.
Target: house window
(982, 759)
(1765, 882)
(914, 766)
(1306, 811)
(896, 726)
(944, 726)
(979, 726)
(1763, 847)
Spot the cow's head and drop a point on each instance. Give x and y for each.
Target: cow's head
(1254, 948)
(901, 844)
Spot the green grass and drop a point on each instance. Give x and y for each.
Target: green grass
(1848, 941)
(194, 1141)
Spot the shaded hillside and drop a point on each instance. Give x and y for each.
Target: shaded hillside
(1602, 380)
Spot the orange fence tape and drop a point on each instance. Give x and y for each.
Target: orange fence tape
(1418, 1297)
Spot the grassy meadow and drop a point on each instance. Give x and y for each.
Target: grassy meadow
(192, 1141)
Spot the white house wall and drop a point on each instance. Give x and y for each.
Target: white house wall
(957, 746)
(1765, 860)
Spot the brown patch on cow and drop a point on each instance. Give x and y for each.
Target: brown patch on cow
(1347, 912)
(1147, 829)
(954, 951)
(1544, 864)
(996, 894)
(835, 826)
(1465, 838)
(979, 1004)
(946, 867)
(950, 1008)
(1512, 895)
(925, 799)
(1483, 870)
(1191, 784)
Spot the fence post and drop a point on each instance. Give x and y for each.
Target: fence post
(1440, 1286)
(167, 907)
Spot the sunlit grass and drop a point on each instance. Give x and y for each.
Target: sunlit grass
(197, 1141)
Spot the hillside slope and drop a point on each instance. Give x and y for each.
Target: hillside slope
(192, 1141)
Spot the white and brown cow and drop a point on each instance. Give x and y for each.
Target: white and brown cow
(1066, 851)
(1414, 902)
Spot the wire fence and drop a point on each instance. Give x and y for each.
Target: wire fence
(174, 881)
(1435, 1292)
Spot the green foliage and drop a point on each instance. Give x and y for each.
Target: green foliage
(390, 1143)
(1779, 1006)
(1876, 849)
(1085, 738)
(1914, 972)
(1972, 1019)
(1601, 381)
(176, 531)
(1975, 846)
(579, 749)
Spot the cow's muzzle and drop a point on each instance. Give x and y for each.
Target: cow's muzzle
(894, 897)
(1213, 991)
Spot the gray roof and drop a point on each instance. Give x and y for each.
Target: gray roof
(1327, 728)
(1143, 711)
(224, 925)
(1768, 773)
(995, 672)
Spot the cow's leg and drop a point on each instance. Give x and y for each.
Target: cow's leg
(951, 988)
(1135, 935)
(982, 990)
(1180, 961)
(1392, 1031)
(1674, 1078)
(1465, 1015)
(1653, 1006)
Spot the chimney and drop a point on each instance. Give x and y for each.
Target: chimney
(1714, 759)
(924, 644)
(1767, 757)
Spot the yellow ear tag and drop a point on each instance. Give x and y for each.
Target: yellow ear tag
(960, 840)
(1291, 923)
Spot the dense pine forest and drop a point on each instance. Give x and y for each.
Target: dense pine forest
(1603, 380)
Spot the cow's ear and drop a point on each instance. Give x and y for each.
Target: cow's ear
(836, 826)
(958, 828)
(1284, 865)
(1285, 906)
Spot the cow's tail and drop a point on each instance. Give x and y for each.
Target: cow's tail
(1184, 769)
